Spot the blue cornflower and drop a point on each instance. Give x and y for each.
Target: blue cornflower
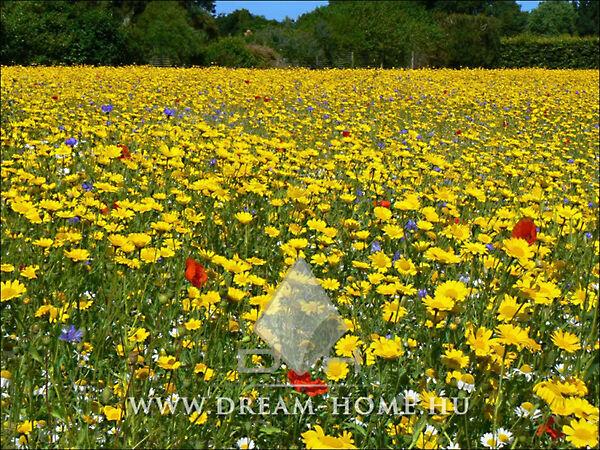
(422, 293)
(71, 142)
(411, 225)
(375, 247)
(106, 108)
(169, 112)
(74, 220)
(71, 334)
(87, 186)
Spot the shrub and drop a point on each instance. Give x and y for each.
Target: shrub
(559, 52)
(60, 32)
(231, 52)
(163, 30)
(469, 41)
(267, 56)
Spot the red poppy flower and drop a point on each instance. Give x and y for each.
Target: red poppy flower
(304, 383)
(247, 81)
(195, 273)
(256, 97)
(525, 229)
(345, 133)
(125, 154)
(267, 99)
(55, 97)
(458, 132)
(548, 428)
(107, 209)
(383, 203)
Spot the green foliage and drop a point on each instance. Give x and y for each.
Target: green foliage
(460, 6)
(240, 21)
(382, 33)
(266, 55)
(469, 41)
(553, 18)
(55, 32)
(512, 20)
(232, 52)
(297, 47)
(343, 34)
(587, 22)
(163, 31)
(561, 52)
(136, 7)
(206, 5)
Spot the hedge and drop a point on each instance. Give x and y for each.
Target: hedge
(560, 52)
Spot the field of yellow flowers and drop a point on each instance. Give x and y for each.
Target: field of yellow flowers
(149, 214)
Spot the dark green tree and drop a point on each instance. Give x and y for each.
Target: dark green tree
(240, 21)
(461, 6)
(553, 18)
(382, 33)
(508, 12)
(297, 47)
(137, 7)
(469, 41)
(512, 20)
(207, 5)
(587, 21)
(231, 52)
(61, 32)
(164, 31)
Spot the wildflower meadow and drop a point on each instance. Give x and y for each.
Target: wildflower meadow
(149, 215)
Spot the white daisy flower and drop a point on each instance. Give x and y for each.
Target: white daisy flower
(245, 443)
(411, 397)
(488, 440)
(505, 437)
(527, 410)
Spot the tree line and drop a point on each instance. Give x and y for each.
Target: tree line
(435, 33)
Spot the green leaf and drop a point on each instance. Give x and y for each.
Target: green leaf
(269, 430)
(35, 355)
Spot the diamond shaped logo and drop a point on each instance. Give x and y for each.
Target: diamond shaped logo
(300, 323)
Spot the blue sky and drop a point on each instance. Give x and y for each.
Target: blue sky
(278, 10)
